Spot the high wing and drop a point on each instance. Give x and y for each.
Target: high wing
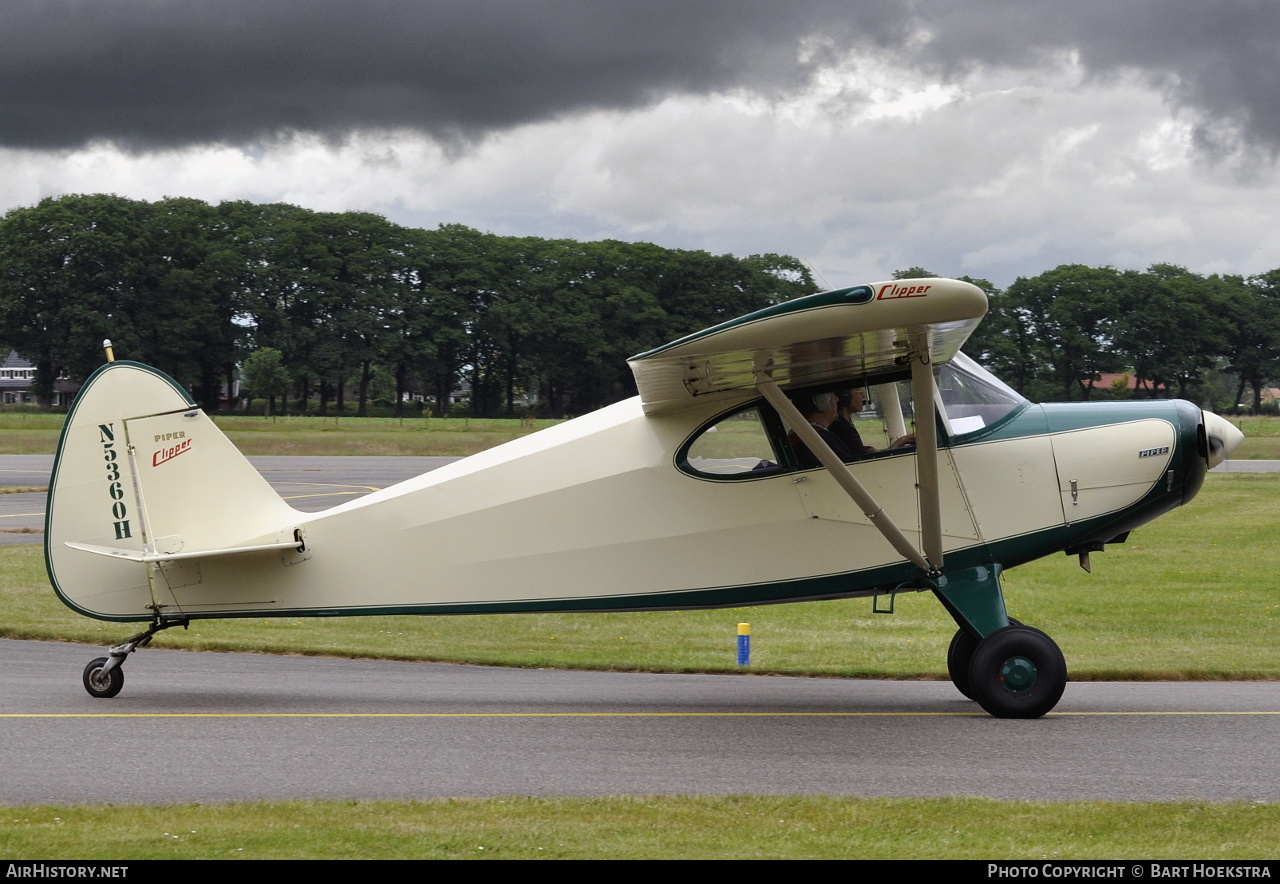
(851, 334)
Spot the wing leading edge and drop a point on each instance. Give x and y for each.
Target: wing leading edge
(849, 334)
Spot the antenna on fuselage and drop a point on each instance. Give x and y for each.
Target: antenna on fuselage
(815, 272)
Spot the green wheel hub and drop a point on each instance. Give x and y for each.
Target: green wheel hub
(1018, 675)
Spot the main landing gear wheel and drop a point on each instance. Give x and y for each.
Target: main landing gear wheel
(1017, 672)
(100, 684)
(960, 655)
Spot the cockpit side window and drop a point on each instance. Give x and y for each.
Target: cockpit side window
(736, 446)
(753, 442)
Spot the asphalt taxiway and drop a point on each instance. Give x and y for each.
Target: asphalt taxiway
(229, 727)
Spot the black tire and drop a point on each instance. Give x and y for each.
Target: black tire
(1017, 672)
(960, 655)
(99, 685)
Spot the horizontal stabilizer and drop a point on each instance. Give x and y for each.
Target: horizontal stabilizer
(134, 555)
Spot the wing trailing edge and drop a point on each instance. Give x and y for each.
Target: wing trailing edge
(852, 334)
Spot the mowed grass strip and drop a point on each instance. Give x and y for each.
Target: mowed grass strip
(37, 433)
(417, 436)
(671, 827)
(34, 433)
(1191, 596)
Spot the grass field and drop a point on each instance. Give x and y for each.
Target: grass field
(664, 827)
(26, 433)
(30, 433)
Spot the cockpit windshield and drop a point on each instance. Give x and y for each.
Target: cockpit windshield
(972, 396)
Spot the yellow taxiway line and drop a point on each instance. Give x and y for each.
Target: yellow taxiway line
(974, 714)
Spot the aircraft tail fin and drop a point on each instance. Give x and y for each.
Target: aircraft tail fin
(143, 475)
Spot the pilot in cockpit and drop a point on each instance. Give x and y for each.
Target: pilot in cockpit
(831, 415)
(849, 403)
(819, 410)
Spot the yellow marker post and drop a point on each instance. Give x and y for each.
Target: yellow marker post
(744, 644)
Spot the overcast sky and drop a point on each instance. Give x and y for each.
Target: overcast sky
(994, 138)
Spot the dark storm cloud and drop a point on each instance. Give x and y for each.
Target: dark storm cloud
(1220, 60)
(148, 73)
(171, 72)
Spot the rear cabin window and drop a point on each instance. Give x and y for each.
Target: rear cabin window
(734, 446)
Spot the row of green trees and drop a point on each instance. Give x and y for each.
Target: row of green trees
(1212, 339)
(342, 307)
(351, 301)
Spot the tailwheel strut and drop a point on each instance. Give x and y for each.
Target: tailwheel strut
(104, 676)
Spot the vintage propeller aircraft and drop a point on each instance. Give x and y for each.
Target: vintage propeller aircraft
(687, 496)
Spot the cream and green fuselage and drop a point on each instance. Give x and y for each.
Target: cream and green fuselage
(593, 514)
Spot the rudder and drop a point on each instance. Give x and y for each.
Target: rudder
(141, 469)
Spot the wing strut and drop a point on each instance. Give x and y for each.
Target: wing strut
(922, 393)
(870, 508)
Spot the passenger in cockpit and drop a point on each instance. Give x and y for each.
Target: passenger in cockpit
(819, 410)
(849, 403)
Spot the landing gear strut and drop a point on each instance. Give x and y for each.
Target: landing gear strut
(104, 677)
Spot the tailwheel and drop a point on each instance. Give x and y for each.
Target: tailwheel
(104, 678)
(960, 655)
(1017, 672)
(102, 682)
